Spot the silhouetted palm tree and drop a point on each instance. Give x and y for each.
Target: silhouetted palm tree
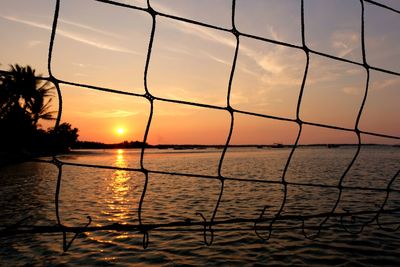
(25, 99)
(38, 106)
(21, 88)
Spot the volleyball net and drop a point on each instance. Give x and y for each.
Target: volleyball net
(265, 222)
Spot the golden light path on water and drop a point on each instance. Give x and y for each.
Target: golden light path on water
(119, 186)
(118, 206)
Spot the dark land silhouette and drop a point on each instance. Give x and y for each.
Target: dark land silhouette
(25, 99)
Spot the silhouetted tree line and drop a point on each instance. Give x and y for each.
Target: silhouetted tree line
(25, 99)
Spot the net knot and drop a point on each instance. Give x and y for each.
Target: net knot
(149, 96)
(151, 11)
(57, 162)
(230, 109)
(235, 32)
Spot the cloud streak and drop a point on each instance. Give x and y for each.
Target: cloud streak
(385, 84)
(108, 114)
(205, 33)
(73, 36)
(34, 43)
(89, 28)
(346, 43)
(267, 62)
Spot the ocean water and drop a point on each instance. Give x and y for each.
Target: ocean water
(111, 196)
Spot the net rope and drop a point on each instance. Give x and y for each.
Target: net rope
(209, 225)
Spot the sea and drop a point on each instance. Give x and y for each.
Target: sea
(182, 186)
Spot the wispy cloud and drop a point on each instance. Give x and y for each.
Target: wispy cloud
(73, 36)
(385, 84)
(273, 33)
(78, 74)
(351, 90)
(90, 66)
(346, 43)
(96, 44)
(266, 62)
(175, 50)
(108, 114)
(249, 71)
(204, 33)
(89, 28)
(34, 43)
(27, 22)
(217, 59)
(162, 8)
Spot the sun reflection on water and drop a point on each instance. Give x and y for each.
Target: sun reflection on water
(118, 202)
(119, 186)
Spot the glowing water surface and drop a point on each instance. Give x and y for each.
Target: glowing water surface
(110, 196)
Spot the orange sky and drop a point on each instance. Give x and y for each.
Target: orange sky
(104, 45)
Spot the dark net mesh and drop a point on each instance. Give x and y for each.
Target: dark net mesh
(338, 214)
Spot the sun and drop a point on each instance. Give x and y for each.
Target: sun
(120, 131)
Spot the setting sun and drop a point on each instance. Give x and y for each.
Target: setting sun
(120, 131)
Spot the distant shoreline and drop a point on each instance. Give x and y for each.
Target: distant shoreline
(10, 158)
(139, 145)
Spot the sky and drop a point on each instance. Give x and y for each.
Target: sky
(104, 45)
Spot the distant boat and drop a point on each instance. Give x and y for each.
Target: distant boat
(183, 147)
(180, 148)
(277, 145)
(332, 145)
